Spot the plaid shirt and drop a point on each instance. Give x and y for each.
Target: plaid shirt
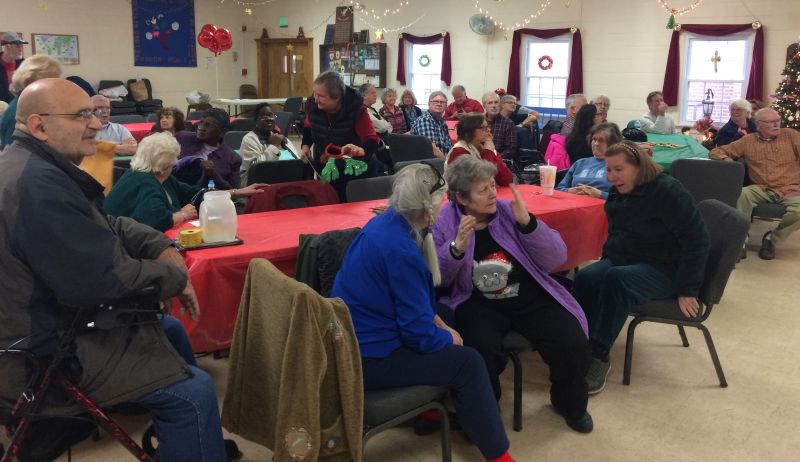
(504, 135)
(434, 129)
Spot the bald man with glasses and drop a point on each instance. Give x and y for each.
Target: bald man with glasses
(773, 163)
(431, 125)
(61, 251)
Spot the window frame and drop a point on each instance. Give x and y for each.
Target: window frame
(749, 40)
(525, 64)
(422, 101)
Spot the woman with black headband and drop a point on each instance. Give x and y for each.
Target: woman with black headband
(657, 248)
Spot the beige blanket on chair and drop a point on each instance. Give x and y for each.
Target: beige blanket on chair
(295, 383)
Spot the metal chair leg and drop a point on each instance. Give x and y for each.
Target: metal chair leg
(626, 371)
(714, 357)
(517, 390)
(446, 452)
(683, 336)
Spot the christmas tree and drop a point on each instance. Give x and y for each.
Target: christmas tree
(787, 96)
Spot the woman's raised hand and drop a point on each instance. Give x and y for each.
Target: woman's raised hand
(465, 230)
(520, 209)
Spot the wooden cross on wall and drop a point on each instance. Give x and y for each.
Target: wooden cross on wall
(716, 59)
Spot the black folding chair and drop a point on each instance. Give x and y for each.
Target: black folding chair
(727, 228)
(276, 171)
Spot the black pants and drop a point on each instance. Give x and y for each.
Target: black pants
(454, 367)
(558, 338)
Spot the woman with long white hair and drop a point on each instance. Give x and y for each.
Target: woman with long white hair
(387, 280)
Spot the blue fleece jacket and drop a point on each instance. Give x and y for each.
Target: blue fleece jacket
(387, 286)
(589, 171)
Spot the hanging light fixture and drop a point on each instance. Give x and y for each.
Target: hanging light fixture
(708, 103)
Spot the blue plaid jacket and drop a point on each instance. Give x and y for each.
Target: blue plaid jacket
(434, 129)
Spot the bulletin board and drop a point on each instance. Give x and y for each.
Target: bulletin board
(357, 63)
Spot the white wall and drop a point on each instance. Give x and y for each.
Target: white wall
(624, 41)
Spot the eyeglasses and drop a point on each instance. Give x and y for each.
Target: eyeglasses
(84, 115)
(440, 183)
(437, 101)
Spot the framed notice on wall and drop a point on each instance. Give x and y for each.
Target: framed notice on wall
(62, 48)
(344, 24)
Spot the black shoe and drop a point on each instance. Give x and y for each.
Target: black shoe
(232, 450)
(767, 251)
(584, 424)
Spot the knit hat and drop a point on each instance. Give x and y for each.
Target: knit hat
(220, 116)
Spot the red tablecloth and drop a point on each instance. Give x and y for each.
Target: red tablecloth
(139, 130)
(218, 274)
(451, 126)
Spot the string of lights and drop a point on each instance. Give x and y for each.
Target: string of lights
(377, 14)
(245, 3)
(308, 32)
(679, 11)
(395, 29)
(508, 28)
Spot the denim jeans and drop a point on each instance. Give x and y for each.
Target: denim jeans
(607, 293)
(186, 414)
(186, 419)
(176, 335)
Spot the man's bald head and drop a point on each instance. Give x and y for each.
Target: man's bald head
(51, 110)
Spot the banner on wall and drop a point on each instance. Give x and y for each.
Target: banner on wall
(163, 33)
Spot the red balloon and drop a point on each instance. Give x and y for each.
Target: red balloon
(225, 46)
(214, 48)
(205, 39)
(208, 28)
(223, 36)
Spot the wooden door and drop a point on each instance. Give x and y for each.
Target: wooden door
(285, 67)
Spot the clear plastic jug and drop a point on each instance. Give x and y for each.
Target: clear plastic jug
(218, 217)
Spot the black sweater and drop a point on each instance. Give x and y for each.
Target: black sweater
(658, 223)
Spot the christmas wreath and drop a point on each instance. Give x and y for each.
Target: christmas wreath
(424, 61)
(545, 62)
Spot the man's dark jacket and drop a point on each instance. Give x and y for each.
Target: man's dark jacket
(59, 250)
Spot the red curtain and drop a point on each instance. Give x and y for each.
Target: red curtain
(575, 79)
(672, 79)
(424, 40)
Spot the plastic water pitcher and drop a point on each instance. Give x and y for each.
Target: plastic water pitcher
(218, 217)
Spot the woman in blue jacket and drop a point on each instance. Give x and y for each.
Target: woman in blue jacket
(587, 176)
(387, 280)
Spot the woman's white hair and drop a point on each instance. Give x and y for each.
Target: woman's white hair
(742, 104)
(156, 154)
(35, 67)
(412, 198)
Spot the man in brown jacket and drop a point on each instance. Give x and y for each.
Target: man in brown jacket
(773, 162)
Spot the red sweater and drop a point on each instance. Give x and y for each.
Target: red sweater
(470, 105)
(504, 176)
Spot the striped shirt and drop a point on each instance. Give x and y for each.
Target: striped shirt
(773, 164)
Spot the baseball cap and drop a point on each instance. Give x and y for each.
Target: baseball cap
(10, 38)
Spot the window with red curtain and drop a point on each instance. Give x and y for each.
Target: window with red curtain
(755, 80)
(524, 49)
(443, 38)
